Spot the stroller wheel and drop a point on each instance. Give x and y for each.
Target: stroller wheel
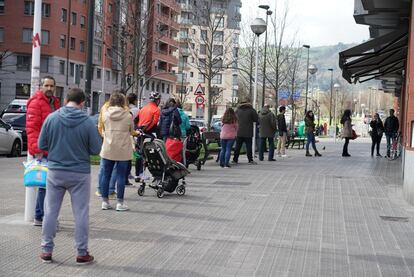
(141, 190)
(160, 193)
(180, 190)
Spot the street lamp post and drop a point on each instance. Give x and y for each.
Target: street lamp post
(266, 7)
(337, 87)
(312, 70)
(182, 92)
(330, 99)
(258, 27)
(307, 78)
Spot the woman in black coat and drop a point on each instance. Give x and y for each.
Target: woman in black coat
(169, 116)
(377, 129)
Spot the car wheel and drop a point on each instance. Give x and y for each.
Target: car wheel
(16, 150)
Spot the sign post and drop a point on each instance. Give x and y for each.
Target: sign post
(30, 196)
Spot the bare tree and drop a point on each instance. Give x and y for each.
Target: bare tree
(215, 51)
(247, 58)
(5, 68)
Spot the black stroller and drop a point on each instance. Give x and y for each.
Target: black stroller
(193, 146)
(166, 172)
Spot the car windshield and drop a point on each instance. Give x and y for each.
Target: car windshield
(15, 119)
(197, 123)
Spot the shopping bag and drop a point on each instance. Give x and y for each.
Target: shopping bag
(35, 173)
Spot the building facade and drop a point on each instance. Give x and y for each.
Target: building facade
(64, 47)
(209, 30)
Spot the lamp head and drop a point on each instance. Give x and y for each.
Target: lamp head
(330, 69)
(265, 7)
(269, 12)
(306, 46)
(258, 26)
(337, 86)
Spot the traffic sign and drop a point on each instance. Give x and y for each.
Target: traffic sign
(199, 90)
(199, 100)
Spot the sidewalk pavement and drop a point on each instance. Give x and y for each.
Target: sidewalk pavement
(298, 216)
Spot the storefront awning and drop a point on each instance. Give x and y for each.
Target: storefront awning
(376, 58)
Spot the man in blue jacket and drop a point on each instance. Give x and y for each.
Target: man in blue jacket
(70, 137)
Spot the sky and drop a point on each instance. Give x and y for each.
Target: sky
(316, 22)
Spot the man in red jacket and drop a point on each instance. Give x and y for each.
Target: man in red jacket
(39, 106)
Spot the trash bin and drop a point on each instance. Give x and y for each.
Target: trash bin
(301, 129)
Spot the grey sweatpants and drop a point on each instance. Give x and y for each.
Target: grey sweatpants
(79, 187)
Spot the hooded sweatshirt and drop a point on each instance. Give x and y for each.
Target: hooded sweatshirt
(117, 131)
(71, 137)
(267, 123)
(168, 114)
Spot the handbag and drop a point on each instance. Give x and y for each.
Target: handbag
(35, 173)
(354, 134)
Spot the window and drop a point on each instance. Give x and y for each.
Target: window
(1, 35)
(82, 21)
(45, 37)
(115, 77)
(1, 6)
(235, 38)
(73, 19)
(217, 63)
(63, 15)
(218, 49)
(62, 67)
(81, 71)
(62, 41)
(82, 46)
(202, 63)
(28, 8)
(45, 10)
(72, 69)
(98, 73)
(72, 43)
(235, 52)
(23, 63)
(22, 91)
(162, 88)
(108, 75)
(44, 64)
(201, 78)
(98, 53)
(110, 8)
(191, 74)
(234, 80)
(203, 35)
(219, 22)
(203, 49)
(216, 79)
(27, 35)
(218, 36)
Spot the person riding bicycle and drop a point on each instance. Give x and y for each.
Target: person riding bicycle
(391, 126)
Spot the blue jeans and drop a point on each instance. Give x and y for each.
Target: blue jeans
(310, 139)
(390, 139)
(120, 177)
(112, 182)
(225, 152)
(40, 200)
(263, 146)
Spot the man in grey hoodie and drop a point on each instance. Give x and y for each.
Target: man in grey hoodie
(70, 137)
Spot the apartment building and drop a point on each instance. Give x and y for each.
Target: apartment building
(199, 21)
(64, 47)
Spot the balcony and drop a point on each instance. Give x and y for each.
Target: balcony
(186, 7)
(169, 41)
(171, 4)
(163, 55)
(186, 21)
(167, 20)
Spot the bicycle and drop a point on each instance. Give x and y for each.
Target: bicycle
(396, 148)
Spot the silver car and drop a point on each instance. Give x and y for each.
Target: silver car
(10, 141)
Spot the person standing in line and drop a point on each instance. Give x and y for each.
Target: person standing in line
(132, 101)
(310, 133)
(227, 136)
(377, 129)
(185, 121)
(246, 116)
(116, 149)
(282, 127)
(169, 116)
(267, 129)
(39, 106)
(346, 121)
(391, 127)
(71, 137)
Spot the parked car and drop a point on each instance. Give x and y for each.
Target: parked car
(199, 123)
(10, 141)
(216, 126)
(18, 121)
(17, 105)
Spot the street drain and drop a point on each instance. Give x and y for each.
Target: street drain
(394, 218)
(231, 183)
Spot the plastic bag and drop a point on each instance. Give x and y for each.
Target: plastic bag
(35, 173)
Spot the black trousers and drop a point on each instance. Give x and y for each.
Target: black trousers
(345, 149)
(376, 141)
(239, 143)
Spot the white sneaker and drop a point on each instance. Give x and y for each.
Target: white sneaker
(106, 206)
(121, 207)
(284, 156)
